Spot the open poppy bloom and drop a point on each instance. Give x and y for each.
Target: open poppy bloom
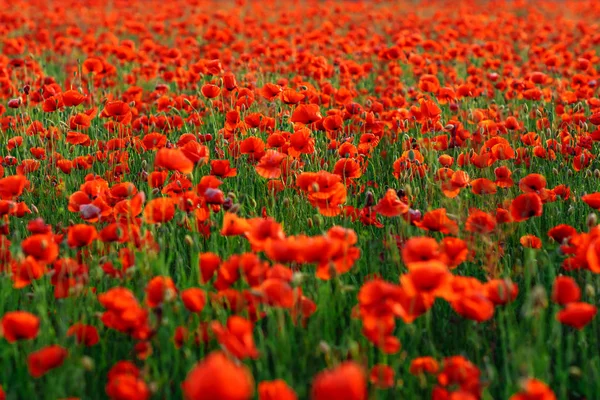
(346, 381)
(173, 160)
(577, 314)
(46, 359)
(212, 377)
(328, 200)
(275, 390)
(19, 325)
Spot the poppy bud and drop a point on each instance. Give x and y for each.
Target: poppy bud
(574, 371)
(234, 209)
(539, 298)
(596, 173)
(297, 278)
(592, 220)
(354, 350)
(318, 220)
(88, 363)
(590, 291)
(449, 127)
(370, 199)
(286, 202)
(414, 215)
(347, 288)
(310, 223)
(324, 347)
(188, 240)
(14, 103)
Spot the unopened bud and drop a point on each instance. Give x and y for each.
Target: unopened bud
(590, 291)
(297, 278)
(370, 199)
(324, 347)
(574, 371)
(88, 363)
(592, 220)
(539, 297)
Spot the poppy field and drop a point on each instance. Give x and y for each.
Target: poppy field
(299, 200)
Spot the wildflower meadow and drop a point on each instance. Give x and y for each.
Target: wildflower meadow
(280, 200)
